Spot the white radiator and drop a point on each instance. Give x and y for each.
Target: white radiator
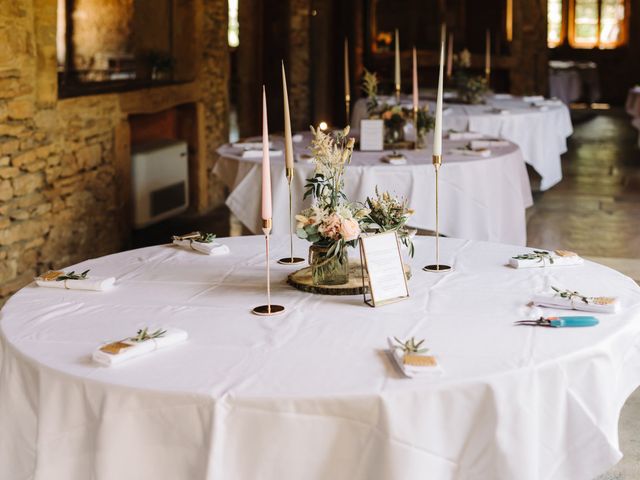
(160, 178)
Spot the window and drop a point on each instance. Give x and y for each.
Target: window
(555, 30)
(234, 26)
(590, 23)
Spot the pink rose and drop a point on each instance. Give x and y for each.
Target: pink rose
(330, 227)
(349, 229)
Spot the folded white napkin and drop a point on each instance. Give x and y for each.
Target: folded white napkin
(478, 144)
(592, 304)
(395, 159)
(541, 108)
(171, 337)
(410, 370)
(502, 96)
(258, 153)
(562, 260)
(97, 284)
(549, 103)
(453, 135)
(212, 248)
(250, 145)
(482, 152)
(296, 138)
(532, 98)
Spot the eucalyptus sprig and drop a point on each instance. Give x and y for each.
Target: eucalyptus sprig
(410, 346)
(370, 88)
(72, 275)
(205, 238)
(570, 295)
(143, 334)
(540, 255)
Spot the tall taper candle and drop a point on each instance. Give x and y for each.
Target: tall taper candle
(288, 140)
(266, 163)
(397, 62)
(437, 131)
(487, 54)
(347, 87)
(450, 56)
(415, 80)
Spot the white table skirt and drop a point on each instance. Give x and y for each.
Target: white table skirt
(541, 135)
(632, 106)
(480, 198)
(565, 84)
(311, 394)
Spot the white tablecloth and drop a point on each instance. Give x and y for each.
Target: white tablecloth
(480, 198)
(311, 394)
(565, 84)
(541, 135)
(632, 106)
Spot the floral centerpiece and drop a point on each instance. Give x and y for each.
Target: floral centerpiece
(387, 213)
(472, 89)
(331, 224)
(395, 117)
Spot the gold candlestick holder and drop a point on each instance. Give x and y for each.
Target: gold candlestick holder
(397, 94)
(487, 76)
(438, 267)
(268, 309)
(347, 108)
(416, 145)
(290, 260)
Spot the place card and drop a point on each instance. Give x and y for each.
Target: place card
(371, 135)
(381, 258)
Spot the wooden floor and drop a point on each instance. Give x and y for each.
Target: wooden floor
(595, 210)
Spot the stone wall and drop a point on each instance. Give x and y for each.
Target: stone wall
(61, 197)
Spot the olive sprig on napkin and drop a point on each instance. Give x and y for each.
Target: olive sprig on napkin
(143, 334)
(540, 255)
(411, 346)
(568, 294)
(72, 275)
(205, 238)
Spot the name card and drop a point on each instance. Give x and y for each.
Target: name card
(381, 258)
(371, 135)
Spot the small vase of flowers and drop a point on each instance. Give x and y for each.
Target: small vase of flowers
(331, 224)
(388, 213)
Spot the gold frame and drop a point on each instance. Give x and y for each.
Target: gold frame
(363, 266)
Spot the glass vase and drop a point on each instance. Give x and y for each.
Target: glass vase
(328, 271)
(421, 138)
(394, 133)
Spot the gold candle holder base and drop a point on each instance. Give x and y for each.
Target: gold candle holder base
(268, 310)
(438, 268)
(291, 261)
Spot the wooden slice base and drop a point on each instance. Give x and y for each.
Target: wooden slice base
(301, 279)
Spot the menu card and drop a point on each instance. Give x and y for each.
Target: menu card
(380, 255)
(371, 135)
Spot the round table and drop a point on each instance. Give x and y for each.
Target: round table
(541, 133)
(311, 394)
(632, 106)
(480, 198)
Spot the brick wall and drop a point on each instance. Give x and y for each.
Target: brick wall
(61, 200)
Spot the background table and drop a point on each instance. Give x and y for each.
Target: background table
(481, 198)
(312, 394)
(632, 106)
(541, 134)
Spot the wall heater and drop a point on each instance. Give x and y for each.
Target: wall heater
(160, 178)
